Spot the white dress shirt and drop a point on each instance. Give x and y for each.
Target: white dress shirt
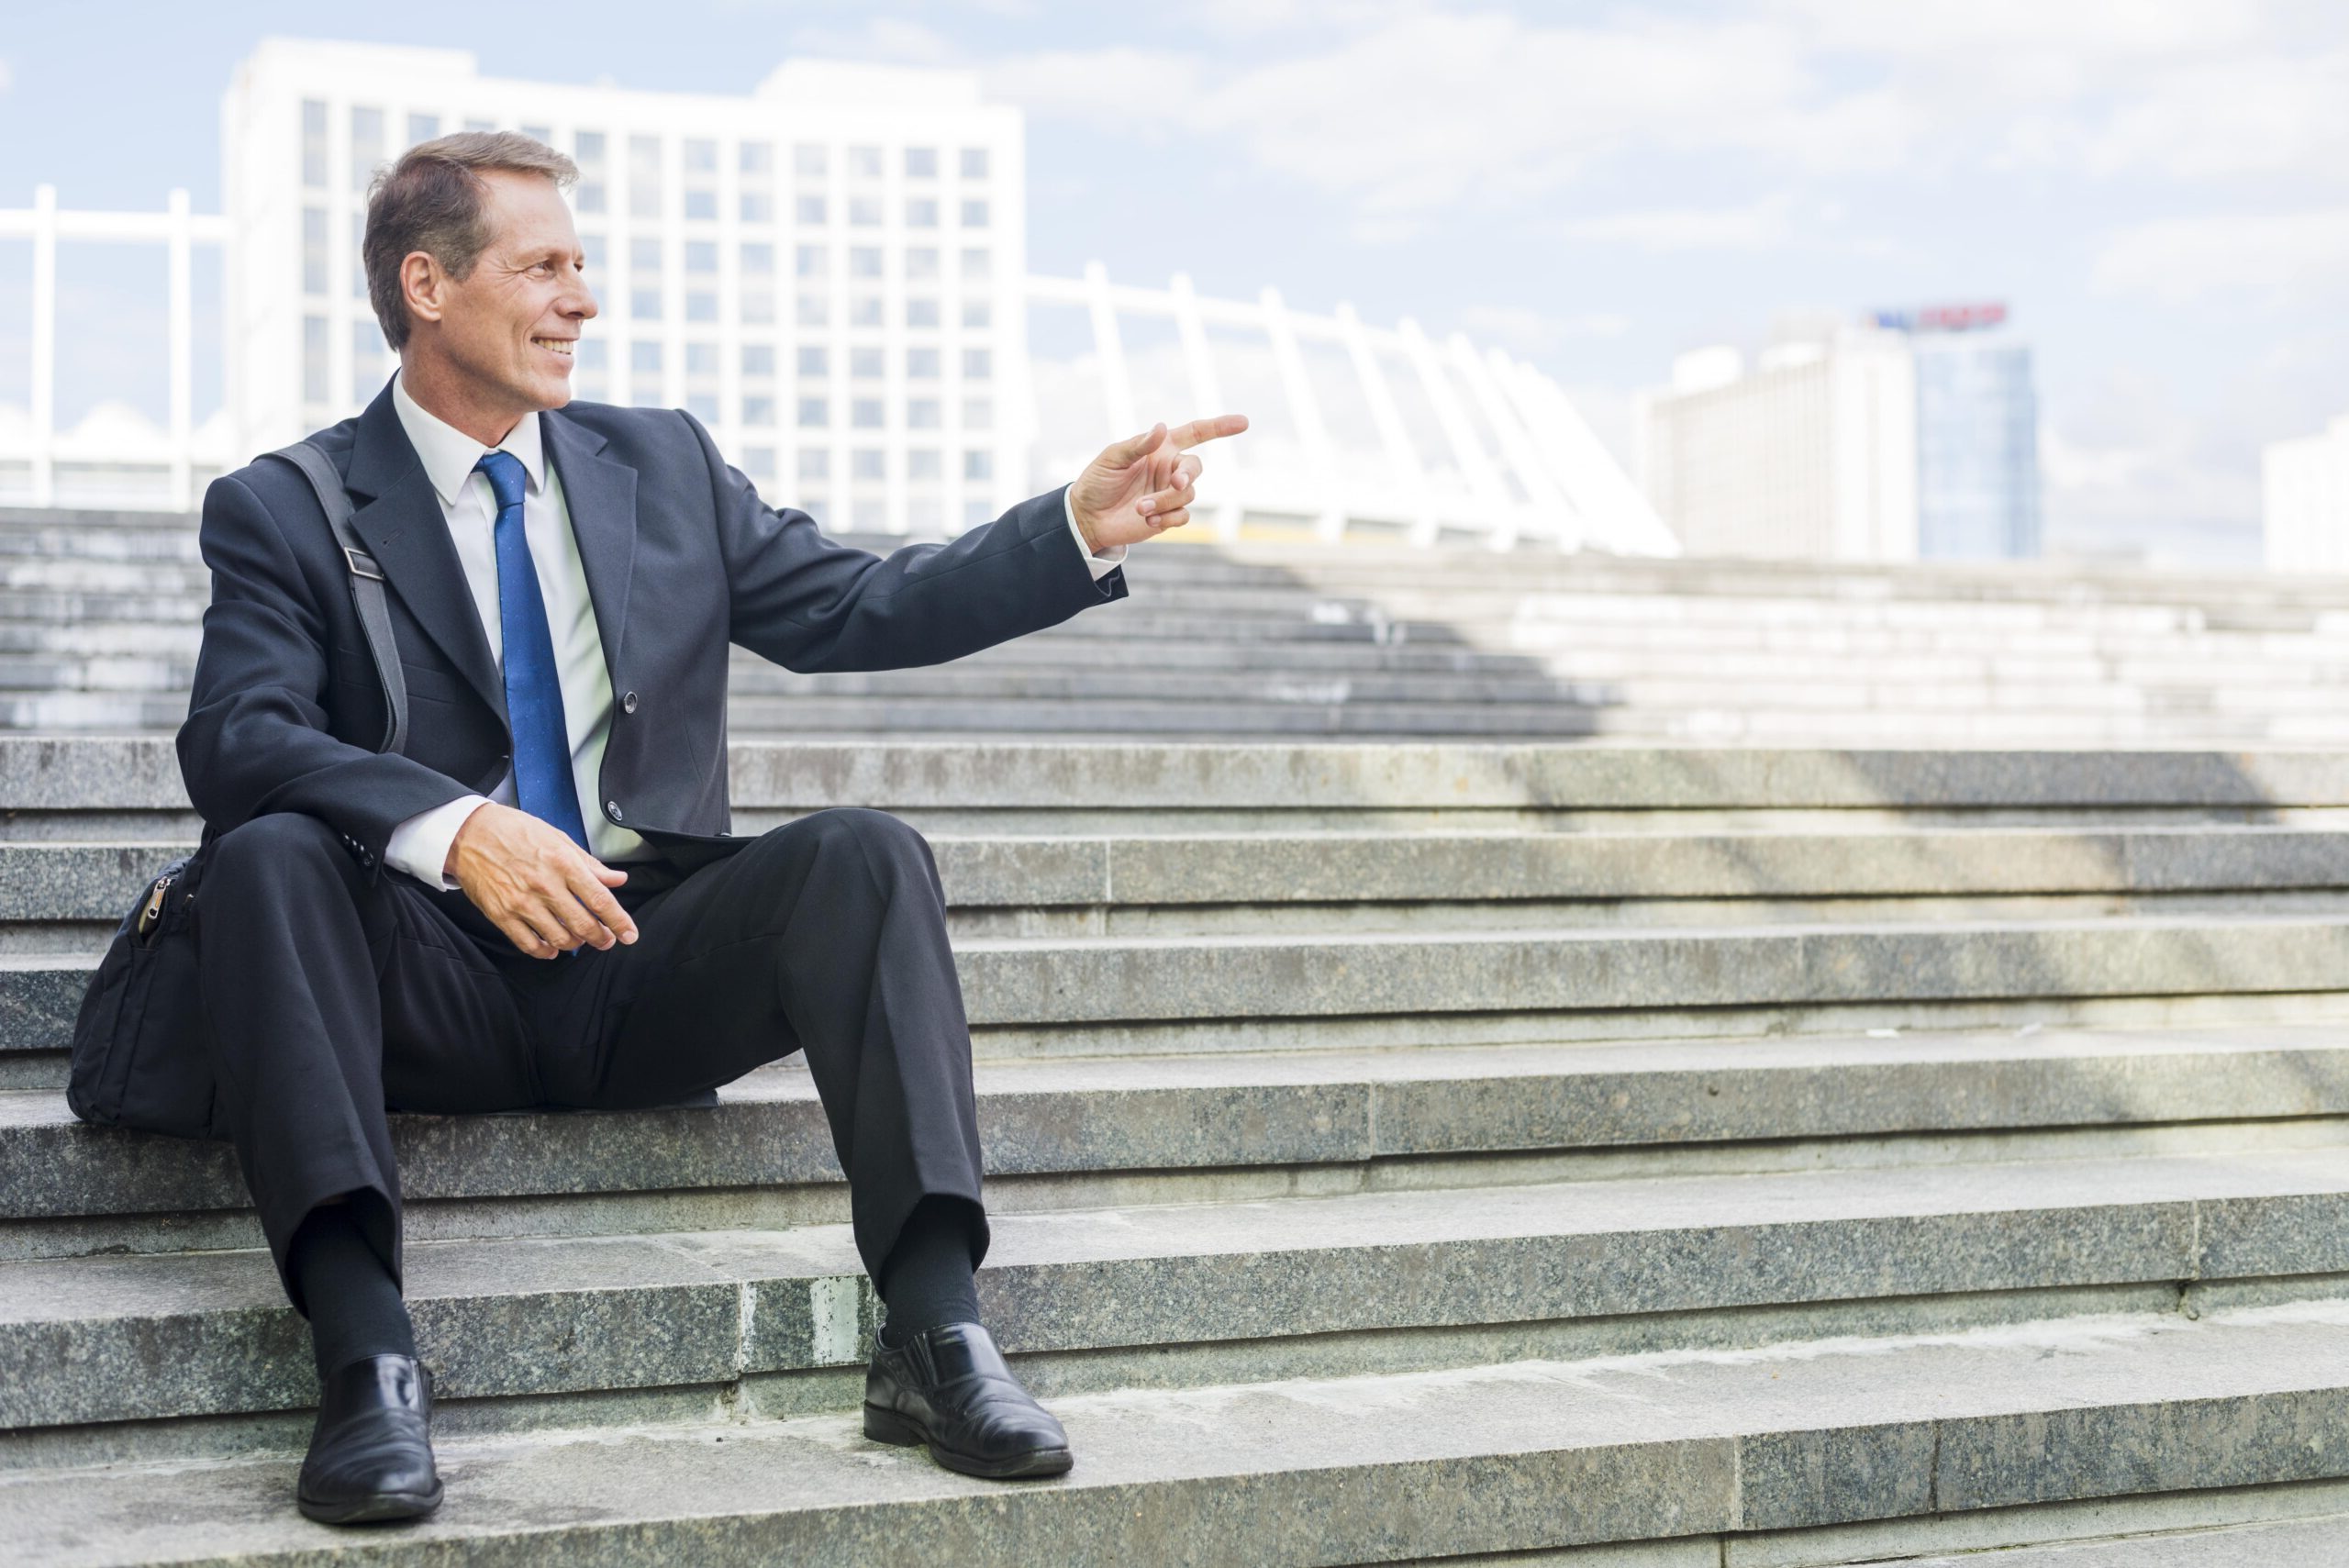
(420, 846)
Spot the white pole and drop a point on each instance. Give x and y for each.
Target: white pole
(1206, 399)
(44, 387)
(1330, 525)
(1402, 457)
(1117, 386)
(182, 317)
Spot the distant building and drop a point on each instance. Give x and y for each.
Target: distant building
(1911, 437)
(2304, 501)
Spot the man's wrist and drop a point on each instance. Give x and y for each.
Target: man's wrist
(1084, 524)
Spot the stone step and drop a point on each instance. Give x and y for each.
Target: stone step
(1562, 975)
(2305, 1542)
(1155, 884)
(1232, 1126)
(1707, 1449)
(1250, 1290)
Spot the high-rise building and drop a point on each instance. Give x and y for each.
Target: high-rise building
(2304, 500)
(1911, 437)
(828, 273)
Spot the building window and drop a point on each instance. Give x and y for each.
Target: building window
(644, 176)
(358, 255)
(644, 358)
(758, 463)
(865, 311)
(644, 255)
(864, 212)
(588, 195)
(702, 405)
(701, 155)
(922, 414)
(922, 164)
(810, 209)
(702, 205)
(978, 365)
(644, 304)
(807, 160)
(864, 364)
(865, 414)
(758, 411)
(871, 514)
(864, 162)
(921, 311)
(921, 262)
(757, 307)
(815, 359)
(864, 260)
(814, 463)
(922, 462)
(978, 413)
(977, 264)
(974, 512)
(868, 463)
(422, 128)
(974, 214)
(758, 359)
(366, 145)
(814, 309)
(314, 358)
(978, 465)
(922, 212)
(543, 135)
(481, 125)
(977, 312)
(314, 249)
(811, 260)
(755, 158)
(974, 163)
(587, 148)
(314, 143)
(758, 258)
(592, 352)
(921, 364)
(701, 255)
(701, 304)
(366, 371)
(592, 247)
(758, 206)
(815, 413)
(701, 359)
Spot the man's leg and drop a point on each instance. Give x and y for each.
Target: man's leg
(323, 993)
(827, 936)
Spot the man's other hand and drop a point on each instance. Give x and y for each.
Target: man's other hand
(1138, 489)
(544, 892)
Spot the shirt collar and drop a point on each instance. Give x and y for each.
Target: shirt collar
(448, 454)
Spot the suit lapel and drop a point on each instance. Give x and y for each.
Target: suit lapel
(400, 518)
(600, 495)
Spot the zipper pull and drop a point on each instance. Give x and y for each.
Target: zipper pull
(154, 910)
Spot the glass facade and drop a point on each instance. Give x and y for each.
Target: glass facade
(1977, 449)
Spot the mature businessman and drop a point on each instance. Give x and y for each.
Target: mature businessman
(567, 920)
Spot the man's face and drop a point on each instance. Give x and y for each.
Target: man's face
(511, 325)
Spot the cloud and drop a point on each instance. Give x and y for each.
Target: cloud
(880, 38)
(2275, 257)
(6, 80)
(1532, 334)
(1759, 225)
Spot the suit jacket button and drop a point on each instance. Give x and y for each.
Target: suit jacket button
(628, 702)
(613, 806)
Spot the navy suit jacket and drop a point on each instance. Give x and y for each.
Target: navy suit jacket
(682, 557)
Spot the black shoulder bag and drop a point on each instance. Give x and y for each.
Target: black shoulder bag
(138, 1060)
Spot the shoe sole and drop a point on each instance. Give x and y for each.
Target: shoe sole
(381, 1508)
(891, 1426)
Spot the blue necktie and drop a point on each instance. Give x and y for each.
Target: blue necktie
(542, 783)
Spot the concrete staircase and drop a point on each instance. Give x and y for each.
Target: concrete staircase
(1400, 1151)
(99, 617)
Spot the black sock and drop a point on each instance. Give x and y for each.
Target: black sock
(354, 1305)
(926, 1279)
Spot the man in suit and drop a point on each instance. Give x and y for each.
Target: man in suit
(569, 921)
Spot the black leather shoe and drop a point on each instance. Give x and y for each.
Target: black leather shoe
(948, 1389)
(369, 1455)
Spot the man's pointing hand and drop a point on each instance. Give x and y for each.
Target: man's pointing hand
(1138, 489)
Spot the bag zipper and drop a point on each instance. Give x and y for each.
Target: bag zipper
(154, 910)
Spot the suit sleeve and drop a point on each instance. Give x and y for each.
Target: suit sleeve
(811, 604)
(256, 740)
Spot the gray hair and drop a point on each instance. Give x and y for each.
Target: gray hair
(432, 200)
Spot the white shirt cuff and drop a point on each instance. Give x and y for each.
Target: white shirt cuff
(1099, 565)
(420, 846)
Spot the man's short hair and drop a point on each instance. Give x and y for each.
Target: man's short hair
(432, 200)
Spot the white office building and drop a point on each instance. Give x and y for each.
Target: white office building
(2304, 500)
(831, 274)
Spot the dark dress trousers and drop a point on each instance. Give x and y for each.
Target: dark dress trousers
(332, 990)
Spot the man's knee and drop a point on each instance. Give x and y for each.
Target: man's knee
(858, 846)
(278, 849)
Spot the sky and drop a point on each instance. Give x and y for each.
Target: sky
(2156, 189)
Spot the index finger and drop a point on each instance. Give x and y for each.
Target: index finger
(1199, 430)
(600, 903)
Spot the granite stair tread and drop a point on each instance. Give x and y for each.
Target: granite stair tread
(2304, 1543)
(523, 1316)
(1490, 1458)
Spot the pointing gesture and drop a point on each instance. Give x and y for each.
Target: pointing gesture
(1139, 488)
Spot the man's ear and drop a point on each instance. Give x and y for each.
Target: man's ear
(423, 284)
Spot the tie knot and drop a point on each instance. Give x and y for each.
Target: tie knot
(506, 476)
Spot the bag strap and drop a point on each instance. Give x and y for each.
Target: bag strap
(366, 584)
